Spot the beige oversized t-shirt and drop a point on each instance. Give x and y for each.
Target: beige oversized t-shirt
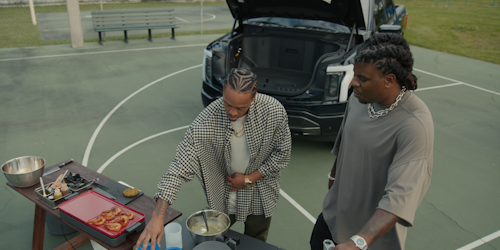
(383, 163)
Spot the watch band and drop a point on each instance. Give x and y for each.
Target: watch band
(359, 242)
(330, 177)
(248, 182)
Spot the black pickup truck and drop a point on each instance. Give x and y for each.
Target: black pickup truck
(302, 53)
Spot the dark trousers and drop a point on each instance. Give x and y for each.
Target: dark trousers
(320, 233)
(256, 226)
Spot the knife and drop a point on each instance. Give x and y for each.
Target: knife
(57, 167)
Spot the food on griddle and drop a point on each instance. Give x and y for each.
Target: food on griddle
(113, 219)
(128, 214)
(131, 192)
(122, 219)
(113, 226)
(97, 221)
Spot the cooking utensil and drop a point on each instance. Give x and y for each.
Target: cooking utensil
(57, 167)
(24, 171)
(64, 176)
(219, 224)
(205, 219)
(43, 187)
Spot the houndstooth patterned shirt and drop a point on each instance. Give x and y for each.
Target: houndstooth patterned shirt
(206, 153)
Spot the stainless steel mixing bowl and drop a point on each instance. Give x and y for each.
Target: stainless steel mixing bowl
(195, 221)
(24, 171)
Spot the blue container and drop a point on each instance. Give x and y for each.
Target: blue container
(149, 247)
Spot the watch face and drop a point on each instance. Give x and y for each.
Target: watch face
(360, 242)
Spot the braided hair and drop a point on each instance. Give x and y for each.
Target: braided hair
(389, 53)
(241, 80)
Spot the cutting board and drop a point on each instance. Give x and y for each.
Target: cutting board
(89, 205)
(116, 189)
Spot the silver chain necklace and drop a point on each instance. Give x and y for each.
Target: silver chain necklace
(376, 114)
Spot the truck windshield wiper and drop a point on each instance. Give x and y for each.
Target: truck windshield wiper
(315, 28)
(266, 23)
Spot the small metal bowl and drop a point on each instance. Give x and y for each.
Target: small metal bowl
(24, 171)
(195, 221)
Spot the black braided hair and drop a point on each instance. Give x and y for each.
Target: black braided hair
(389, 53)
(241, 80)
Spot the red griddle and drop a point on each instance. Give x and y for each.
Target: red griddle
(86, 206)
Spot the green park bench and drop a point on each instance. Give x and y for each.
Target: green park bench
(134, 19)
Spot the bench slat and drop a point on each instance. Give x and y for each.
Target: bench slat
(158, 14)
(132, 11)
(137, 19)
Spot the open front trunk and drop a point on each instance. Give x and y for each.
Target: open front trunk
(284, 65)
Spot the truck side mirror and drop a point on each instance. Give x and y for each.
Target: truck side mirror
(393, 28)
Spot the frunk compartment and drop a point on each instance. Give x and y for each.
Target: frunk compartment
(284, 65)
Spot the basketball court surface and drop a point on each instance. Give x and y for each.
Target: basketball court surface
(121, 109)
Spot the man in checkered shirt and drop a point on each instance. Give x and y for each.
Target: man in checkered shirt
(236, 147)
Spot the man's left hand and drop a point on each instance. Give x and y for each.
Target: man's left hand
(236, 182)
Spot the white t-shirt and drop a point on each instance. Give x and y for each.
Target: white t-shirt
(240, 157)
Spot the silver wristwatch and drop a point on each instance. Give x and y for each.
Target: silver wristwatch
(359, 242)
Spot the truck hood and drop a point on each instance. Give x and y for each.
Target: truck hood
(344, 12)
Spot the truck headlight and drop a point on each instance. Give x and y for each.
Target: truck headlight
(338, 79)
(332, 86)
(207, 66)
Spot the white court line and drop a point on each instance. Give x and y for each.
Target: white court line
(98, 129)
(457, 82)
(481, 241)
(298, 206)
(55, 29)
(184, 20)
(101, 52)
(204, 20)
(135, 144)
(441, 86)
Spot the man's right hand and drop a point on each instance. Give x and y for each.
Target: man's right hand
(153, 232)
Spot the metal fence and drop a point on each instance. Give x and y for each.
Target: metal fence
(47, 23)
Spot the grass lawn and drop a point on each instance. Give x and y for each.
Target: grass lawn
(472, 31)
(465, 28)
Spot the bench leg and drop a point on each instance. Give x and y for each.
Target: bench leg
(150, 37)
(125, 34)
(100, 38)
(173, 34)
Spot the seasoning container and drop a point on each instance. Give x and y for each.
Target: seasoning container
(57, 194)
(57, 185)
(64, 188)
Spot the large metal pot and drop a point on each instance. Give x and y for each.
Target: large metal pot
(218, 223)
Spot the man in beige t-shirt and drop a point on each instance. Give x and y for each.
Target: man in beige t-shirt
(384, 153)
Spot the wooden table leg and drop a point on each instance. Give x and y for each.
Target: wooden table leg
(38, 228)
